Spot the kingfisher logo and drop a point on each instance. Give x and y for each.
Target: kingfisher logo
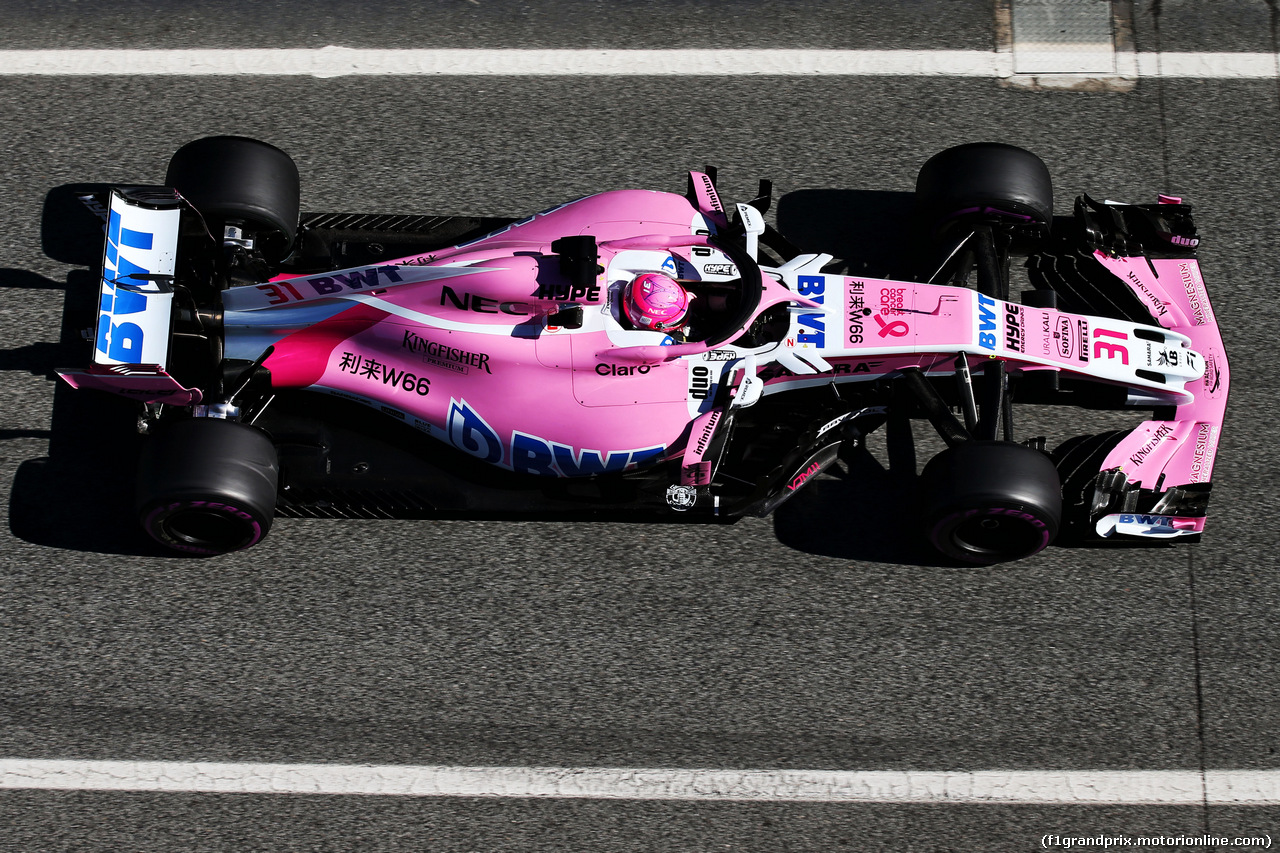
(1156, 437)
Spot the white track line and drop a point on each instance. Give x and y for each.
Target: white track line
(1073, 787)
(342, 61)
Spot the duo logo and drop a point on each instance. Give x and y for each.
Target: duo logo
(121, 341)
(813, 326)
(986, 322)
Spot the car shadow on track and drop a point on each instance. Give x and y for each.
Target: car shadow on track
(80, 496)
(870, 232)
(864, 509)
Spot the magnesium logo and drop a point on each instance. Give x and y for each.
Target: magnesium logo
(1196, 295)
(1205, 446)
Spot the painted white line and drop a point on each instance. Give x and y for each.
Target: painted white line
(1073, 787)
(342, 61)
(1208, 65)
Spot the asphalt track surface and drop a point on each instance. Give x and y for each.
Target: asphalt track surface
(815, 639)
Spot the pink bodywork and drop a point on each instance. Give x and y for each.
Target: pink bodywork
(472, 356)
(463, 345)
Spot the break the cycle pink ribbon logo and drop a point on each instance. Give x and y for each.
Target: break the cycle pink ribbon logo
(898, 328)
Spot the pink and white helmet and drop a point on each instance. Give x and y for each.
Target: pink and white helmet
(656, 302)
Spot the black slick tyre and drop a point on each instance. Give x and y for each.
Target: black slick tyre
(985, 181)
(989, 502)
(242, 180)
(207, 486)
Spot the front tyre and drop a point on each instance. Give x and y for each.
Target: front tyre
(207, 486)
(990, 502)
(985, 182)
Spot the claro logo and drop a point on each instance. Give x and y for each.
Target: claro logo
(623, 369)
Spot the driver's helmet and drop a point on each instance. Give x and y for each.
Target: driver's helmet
(656, 302)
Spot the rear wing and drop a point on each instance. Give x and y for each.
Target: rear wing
(135, 299)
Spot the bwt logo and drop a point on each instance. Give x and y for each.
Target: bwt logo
(121, 341)
(986, 322)
(814, 326)
(1148, 520)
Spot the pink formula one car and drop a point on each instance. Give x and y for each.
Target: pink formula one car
(638, 350)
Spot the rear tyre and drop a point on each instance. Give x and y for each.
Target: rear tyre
(207, 486)
(991, 501)
(984, 182)
(242, 180)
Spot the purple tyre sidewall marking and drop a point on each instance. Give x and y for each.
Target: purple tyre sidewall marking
(171, 506)
(953, 519)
